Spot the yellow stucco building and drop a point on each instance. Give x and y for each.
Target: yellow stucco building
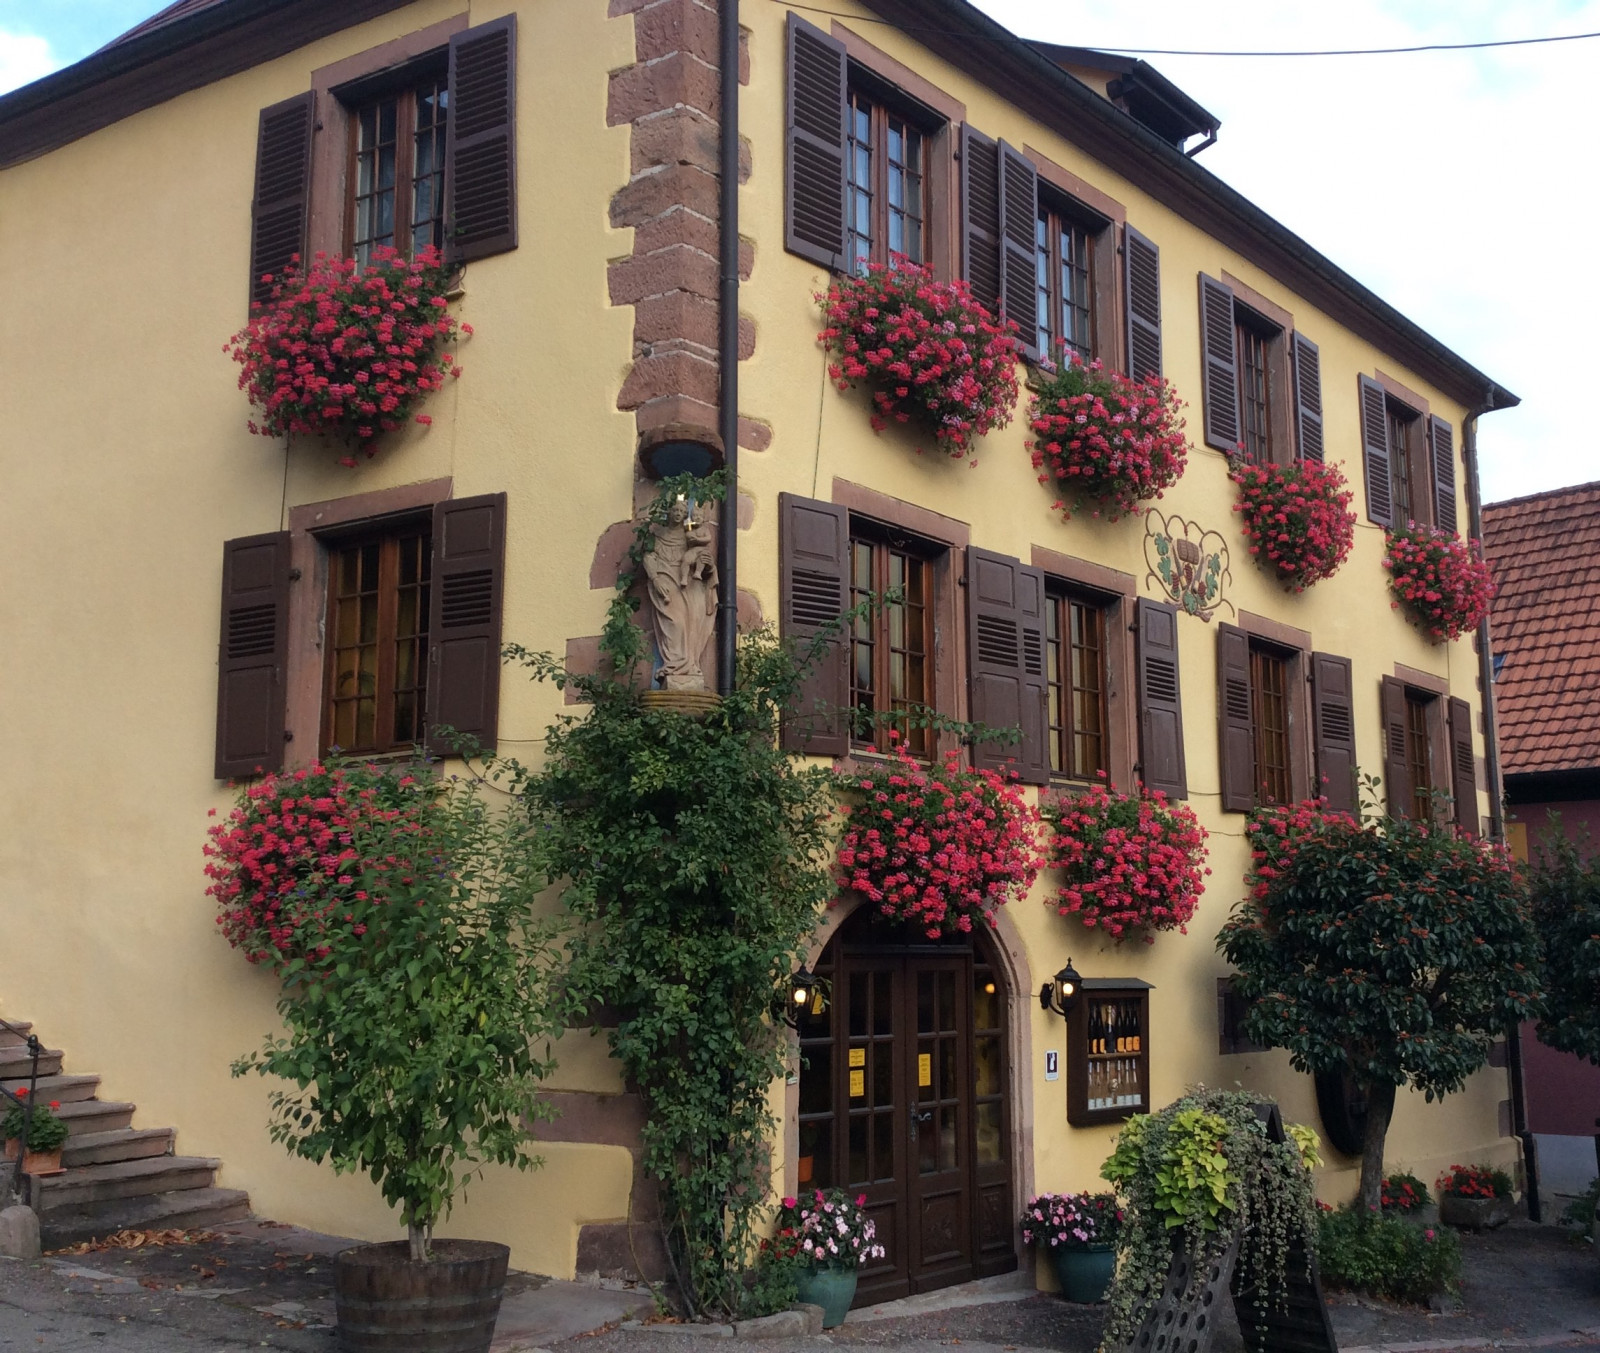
(576, 145)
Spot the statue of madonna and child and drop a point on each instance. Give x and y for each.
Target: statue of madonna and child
(681, 571)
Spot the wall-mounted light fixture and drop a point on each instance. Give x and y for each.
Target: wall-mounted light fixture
(1061, 992)
(807, 995)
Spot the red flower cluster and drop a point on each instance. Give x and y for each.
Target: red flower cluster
(346, 351)
(1440, 580)
(1106, 441)
(1133, 862)
(1297, 518)
(1474, 1181)
(1404, 1193)
(928, 350)
(284, 865)
(1276, 835)
(938, 846)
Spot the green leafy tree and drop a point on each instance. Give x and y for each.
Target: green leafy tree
(1391, 950)
(412, 1038)
(695, 856)
(1565, 887)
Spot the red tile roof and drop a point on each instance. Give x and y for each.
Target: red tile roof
(180, 9)
(1546, 625)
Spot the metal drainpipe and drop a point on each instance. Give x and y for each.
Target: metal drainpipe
(728, 348)
(1497, 825)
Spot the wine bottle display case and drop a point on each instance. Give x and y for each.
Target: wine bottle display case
(1108, 1052)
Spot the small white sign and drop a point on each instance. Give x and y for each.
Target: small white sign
(1052, 1065)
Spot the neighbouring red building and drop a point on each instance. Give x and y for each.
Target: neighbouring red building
(1546, 625)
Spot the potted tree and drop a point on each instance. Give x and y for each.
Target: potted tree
(1080, 1231)
(412, 1023)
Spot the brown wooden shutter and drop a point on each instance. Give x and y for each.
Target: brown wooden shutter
(1442, 447)
(1375, 445)
(1396, 765)
(1221, 368)
(467, 595)
(1161, 759)
(816, 145)
(1333, 731)
(1142, 274)
(1005, 643)
(1019, 215)
(480, 213)
(814, 589)
(282, 200)
(1463, 768)
(1308, 398)
(1235, 725)
(252, 655)
(980, 216)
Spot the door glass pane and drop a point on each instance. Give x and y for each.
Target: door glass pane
(816, 1079)
(947, 1001)
(816, 1154)
(882, 1055)
(986, 1066)
(883, 1006)
(859, 985)
(947, 1138)
(925, 1024)
(883, 1145)
(989, 1133)
(858, 1149)
(927, 1141)
(985, 1001)
(947, 1068)
(927, 1050)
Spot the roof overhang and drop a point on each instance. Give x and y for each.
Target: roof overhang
(148, 67)
(1023, 74)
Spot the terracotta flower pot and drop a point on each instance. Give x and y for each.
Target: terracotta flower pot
(35, 1162)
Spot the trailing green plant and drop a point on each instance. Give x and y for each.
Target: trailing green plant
(1196, 1175)
(46, 1132)
(1387, 1256)
(1580, 1212)
(412, 1031)
(1564, 883)
(1392, 950)
(695, 856)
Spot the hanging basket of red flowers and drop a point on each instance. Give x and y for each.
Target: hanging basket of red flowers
(1296, 517)
(345, 351)
(1104, 441)
(1440, 581)
(941, 847)
(1130, 863)
(931, 355)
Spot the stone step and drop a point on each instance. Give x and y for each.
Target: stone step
(125, 1179)
(16, 1035)
(15, 1063)
(85, 1116)
(105, 1148)
(67, 1089)
(183, 1210)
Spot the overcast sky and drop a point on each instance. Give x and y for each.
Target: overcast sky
(1461, 186)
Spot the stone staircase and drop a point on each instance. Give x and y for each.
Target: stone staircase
(117, 1176)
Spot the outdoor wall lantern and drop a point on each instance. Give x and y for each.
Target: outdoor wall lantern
(806, 995)
(680, 448)
(1061, 992)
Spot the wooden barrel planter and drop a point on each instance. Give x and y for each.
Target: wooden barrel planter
(388, 1304)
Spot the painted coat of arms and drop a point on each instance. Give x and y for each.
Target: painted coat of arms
(1188, 562)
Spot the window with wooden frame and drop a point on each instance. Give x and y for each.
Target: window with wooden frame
(1409, 458)
(891, 646)
(417, 146)
(1401, 427)
(1076, 640)
(886, 179)
(1428, 750)
(1263, 709)
(1066, 247)
(377, 639)
(396, 154)
(1419, 753)
(1262, 387)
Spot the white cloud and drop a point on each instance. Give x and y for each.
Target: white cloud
(1458, 186)
(23, 58)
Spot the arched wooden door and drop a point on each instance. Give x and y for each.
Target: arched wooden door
(904, 1098)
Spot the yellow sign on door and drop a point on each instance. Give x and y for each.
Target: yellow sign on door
(858, 1084)
(924, 1068)
(858, 1056)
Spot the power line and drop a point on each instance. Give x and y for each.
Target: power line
(1185, 51)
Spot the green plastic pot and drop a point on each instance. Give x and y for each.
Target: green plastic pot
(1084, 1271)
(833, 1289)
